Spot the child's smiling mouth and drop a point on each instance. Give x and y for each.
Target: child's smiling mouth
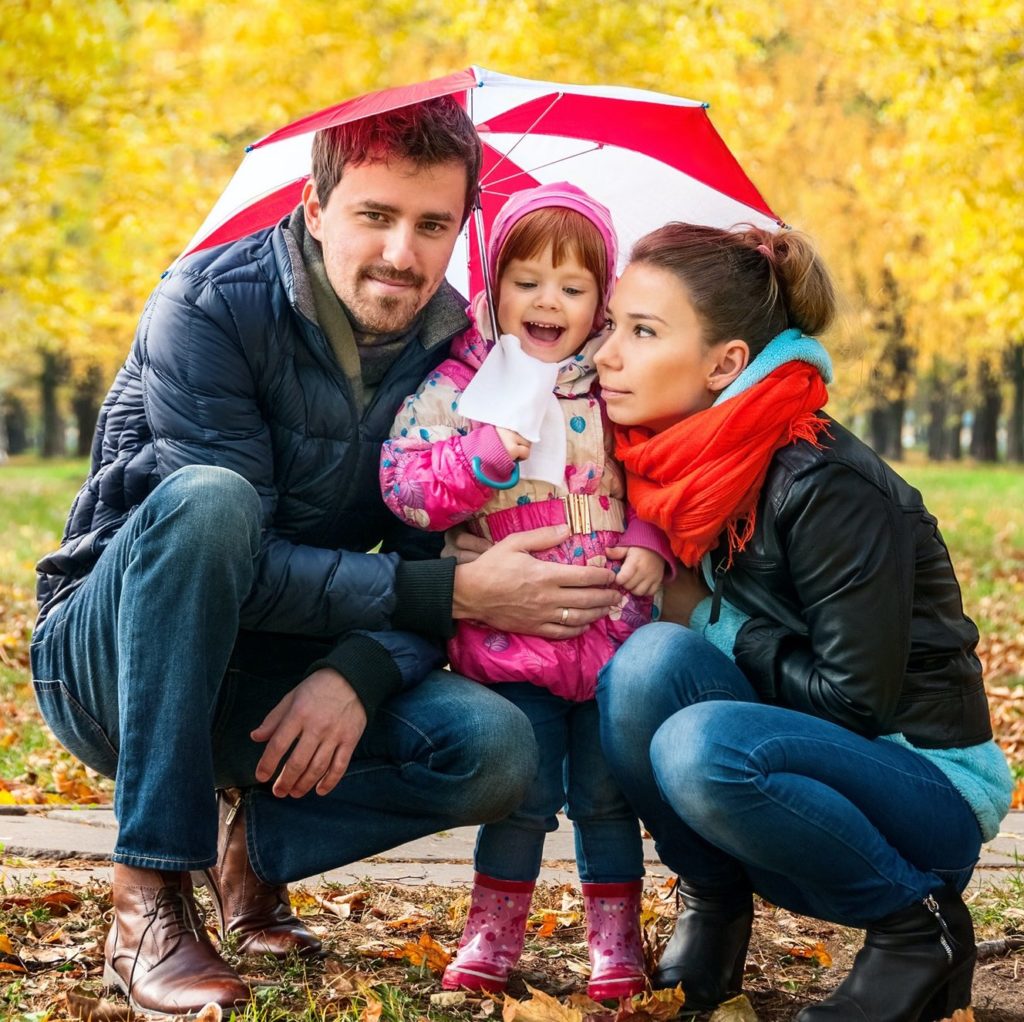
(545, 333)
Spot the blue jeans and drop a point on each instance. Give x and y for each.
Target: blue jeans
(736, 793)
(571, 772)
(138, 674)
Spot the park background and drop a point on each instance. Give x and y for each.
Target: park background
(890, 131)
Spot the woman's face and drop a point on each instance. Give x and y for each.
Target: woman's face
(654, 367)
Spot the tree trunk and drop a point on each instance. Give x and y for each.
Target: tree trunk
(53, 424)
(1015, 370)
(15, 423)
(86, 406)
(3, 429)
(984, 435)
(891, 376)
(956, 432)
(938, 411)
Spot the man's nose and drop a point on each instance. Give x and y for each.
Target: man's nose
(399, 247)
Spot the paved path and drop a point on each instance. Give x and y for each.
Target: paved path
(73, 843)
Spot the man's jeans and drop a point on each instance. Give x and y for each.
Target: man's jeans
(572, 772)
(736, 793)
(134, 674)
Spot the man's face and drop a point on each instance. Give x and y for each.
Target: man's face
(387, 232)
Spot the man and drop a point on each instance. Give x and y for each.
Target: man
(213, 620)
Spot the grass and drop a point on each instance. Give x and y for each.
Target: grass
(372, 973)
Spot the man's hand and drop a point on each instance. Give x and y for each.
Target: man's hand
(642, 570)
(323, 717)
(508, 589)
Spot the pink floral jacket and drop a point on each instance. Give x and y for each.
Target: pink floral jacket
(427, 480)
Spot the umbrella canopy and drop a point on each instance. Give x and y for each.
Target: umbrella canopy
(648, 157)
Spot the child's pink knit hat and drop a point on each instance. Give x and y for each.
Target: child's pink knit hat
(565, 196)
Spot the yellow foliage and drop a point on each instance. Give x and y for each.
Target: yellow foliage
(891, 133)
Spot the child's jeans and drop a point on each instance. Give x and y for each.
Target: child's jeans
(572, 772)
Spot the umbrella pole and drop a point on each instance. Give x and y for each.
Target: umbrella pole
(478, 220)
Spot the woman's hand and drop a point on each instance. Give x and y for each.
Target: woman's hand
(682, 594)
(461, 544)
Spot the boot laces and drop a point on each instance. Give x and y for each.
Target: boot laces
(176, 912)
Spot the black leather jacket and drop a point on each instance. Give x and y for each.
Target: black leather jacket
(856, 612)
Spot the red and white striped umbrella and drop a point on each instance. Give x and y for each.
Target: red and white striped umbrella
(648, 157)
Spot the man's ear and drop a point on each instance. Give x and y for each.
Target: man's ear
(312, 209)
(731, 358)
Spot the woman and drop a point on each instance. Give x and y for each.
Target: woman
(815, 730)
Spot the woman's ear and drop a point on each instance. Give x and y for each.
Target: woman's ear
(730, 359)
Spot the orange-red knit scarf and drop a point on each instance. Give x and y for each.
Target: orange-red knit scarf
(703, 475)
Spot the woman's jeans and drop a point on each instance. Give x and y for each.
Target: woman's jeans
(139, 675)
(738, 794)
(572, 772)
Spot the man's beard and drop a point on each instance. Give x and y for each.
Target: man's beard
(382, 314)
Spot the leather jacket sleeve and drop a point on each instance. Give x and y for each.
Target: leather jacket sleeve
(849, 551)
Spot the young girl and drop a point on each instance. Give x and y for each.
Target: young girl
(815, 728)
(552, 256)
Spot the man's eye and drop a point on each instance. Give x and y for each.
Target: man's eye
(373, 214)
(433, 227)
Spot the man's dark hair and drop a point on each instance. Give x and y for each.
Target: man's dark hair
(426, 134)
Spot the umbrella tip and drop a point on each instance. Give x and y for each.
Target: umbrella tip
(249, 148)
(706, 106)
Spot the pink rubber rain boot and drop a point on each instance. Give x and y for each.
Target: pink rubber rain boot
(493, 938)
(613, 938)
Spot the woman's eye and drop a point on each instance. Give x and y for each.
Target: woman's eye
(642, 331)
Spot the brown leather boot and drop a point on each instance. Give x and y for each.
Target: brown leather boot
(157, 951)
(259, 914)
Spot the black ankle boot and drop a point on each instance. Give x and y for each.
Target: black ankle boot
(916, 966)
(708, 948)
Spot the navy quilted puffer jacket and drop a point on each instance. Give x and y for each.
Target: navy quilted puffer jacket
(229, 368)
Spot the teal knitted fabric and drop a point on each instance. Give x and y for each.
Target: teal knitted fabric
(979, 772)
(789, 346)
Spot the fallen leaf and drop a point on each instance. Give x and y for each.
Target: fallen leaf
(413, 921)
(426, 951)
(85, 1006)
(5, 944)
(736, 1009)
(961, 1015)
(810, 950)
(210, 1013)
(448, 998)
(372, 1011)
(344, 907)
(660, 1004)
(541, 1007)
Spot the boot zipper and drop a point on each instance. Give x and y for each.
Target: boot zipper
(945, 937)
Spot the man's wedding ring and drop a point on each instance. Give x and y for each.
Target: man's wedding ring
(565, 616)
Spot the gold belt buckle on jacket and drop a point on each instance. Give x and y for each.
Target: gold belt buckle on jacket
(577, 513)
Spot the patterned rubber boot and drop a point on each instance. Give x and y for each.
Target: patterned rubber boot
(613, 938)
(493, 938)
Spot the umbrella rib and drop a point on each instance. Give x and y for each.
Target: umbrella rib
(540, 117)
(540, 166)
